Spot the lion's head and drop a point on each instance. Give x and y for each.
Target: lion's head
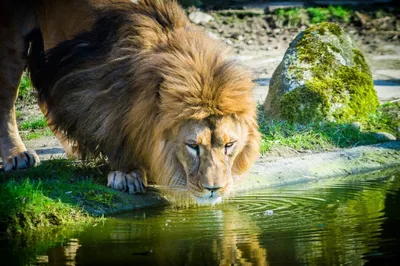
(206, 132)
(207, 150)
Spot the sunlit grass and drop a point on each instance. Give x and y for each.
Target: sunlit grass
(34, 128)
(328, 135)
(36, 123)
(53, 194)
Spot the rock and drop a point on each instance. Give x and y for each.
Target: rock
(199, 17)
(228, 42)
(386, 23)
(363, 18)
(384, 136)
(213, 35)
(356, 126)
(323, 76)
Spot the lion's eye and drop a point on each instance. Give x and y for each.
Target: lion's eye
(194, 147)
(228, 146)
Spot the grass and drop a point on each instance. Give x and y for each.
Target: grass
(25, 89)
(313, 15)
(59, 192)
(37, 123)
(31, 125)
(36, 134)
(25, 205)
(386, 118)
(328, 135)
(34, 128)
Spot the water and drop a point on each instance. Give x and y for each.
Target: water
(353, 220)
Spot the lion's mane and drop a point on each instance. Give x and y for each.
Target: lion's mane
(124, 88)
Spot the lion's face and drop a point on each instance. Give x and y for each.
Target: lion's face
(207, 150)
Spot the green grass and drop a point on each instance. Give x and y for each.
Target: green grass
(313, 15)
(328, 135)
(34, 128)
(36, 123)
(386, 118)
(36, 134)
(340, 13)
(25, 89)
(56, 193)
(25, 205)
(292, 16)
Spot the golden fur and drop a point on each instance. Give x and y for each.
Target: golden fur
(155, 82)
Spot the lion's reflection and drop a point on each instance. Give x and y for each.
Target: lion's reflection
(207, 237)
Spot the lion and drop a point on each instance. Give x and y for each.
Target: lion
(135, 82)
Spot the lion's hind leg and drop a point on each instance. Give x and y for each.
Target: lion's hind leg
(133, 182)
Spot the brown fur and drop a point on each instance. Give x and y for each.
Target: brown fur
(160, 74)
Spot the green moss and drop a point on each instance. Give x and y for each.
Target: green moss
(360, 62)
(294, 107)
(310, 48)
(334, 91)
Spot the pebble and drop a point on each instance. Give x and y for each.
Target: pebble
(269, 213)
(356, 126)
(199, 17)
(384, 136)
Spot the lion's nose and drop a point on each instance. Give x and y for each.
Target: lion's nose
(211, 188)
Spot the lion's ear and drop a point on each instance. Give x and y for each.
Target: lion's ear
(250, 152)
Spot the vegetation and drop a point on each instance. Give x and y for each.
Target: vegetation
(25, 89)
(319, 136)
(296, 17)
(34, 128)
(59, 192)
(38, 123)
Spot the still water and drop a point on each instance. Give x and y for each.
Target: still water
(353, 220)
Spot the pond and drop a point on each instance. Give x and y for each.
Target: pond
(353, 220)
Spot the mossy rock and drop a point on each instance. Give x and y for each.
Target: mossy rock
(323, 76)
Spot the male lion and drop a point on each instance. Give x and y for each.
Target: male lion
(135, 82)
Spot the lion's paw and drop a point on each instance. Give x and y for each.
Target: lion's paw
(22, 160)
(133, 182)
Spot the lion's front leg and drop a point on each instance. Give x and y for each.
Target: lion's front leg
(13, 51)
(132, 182)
